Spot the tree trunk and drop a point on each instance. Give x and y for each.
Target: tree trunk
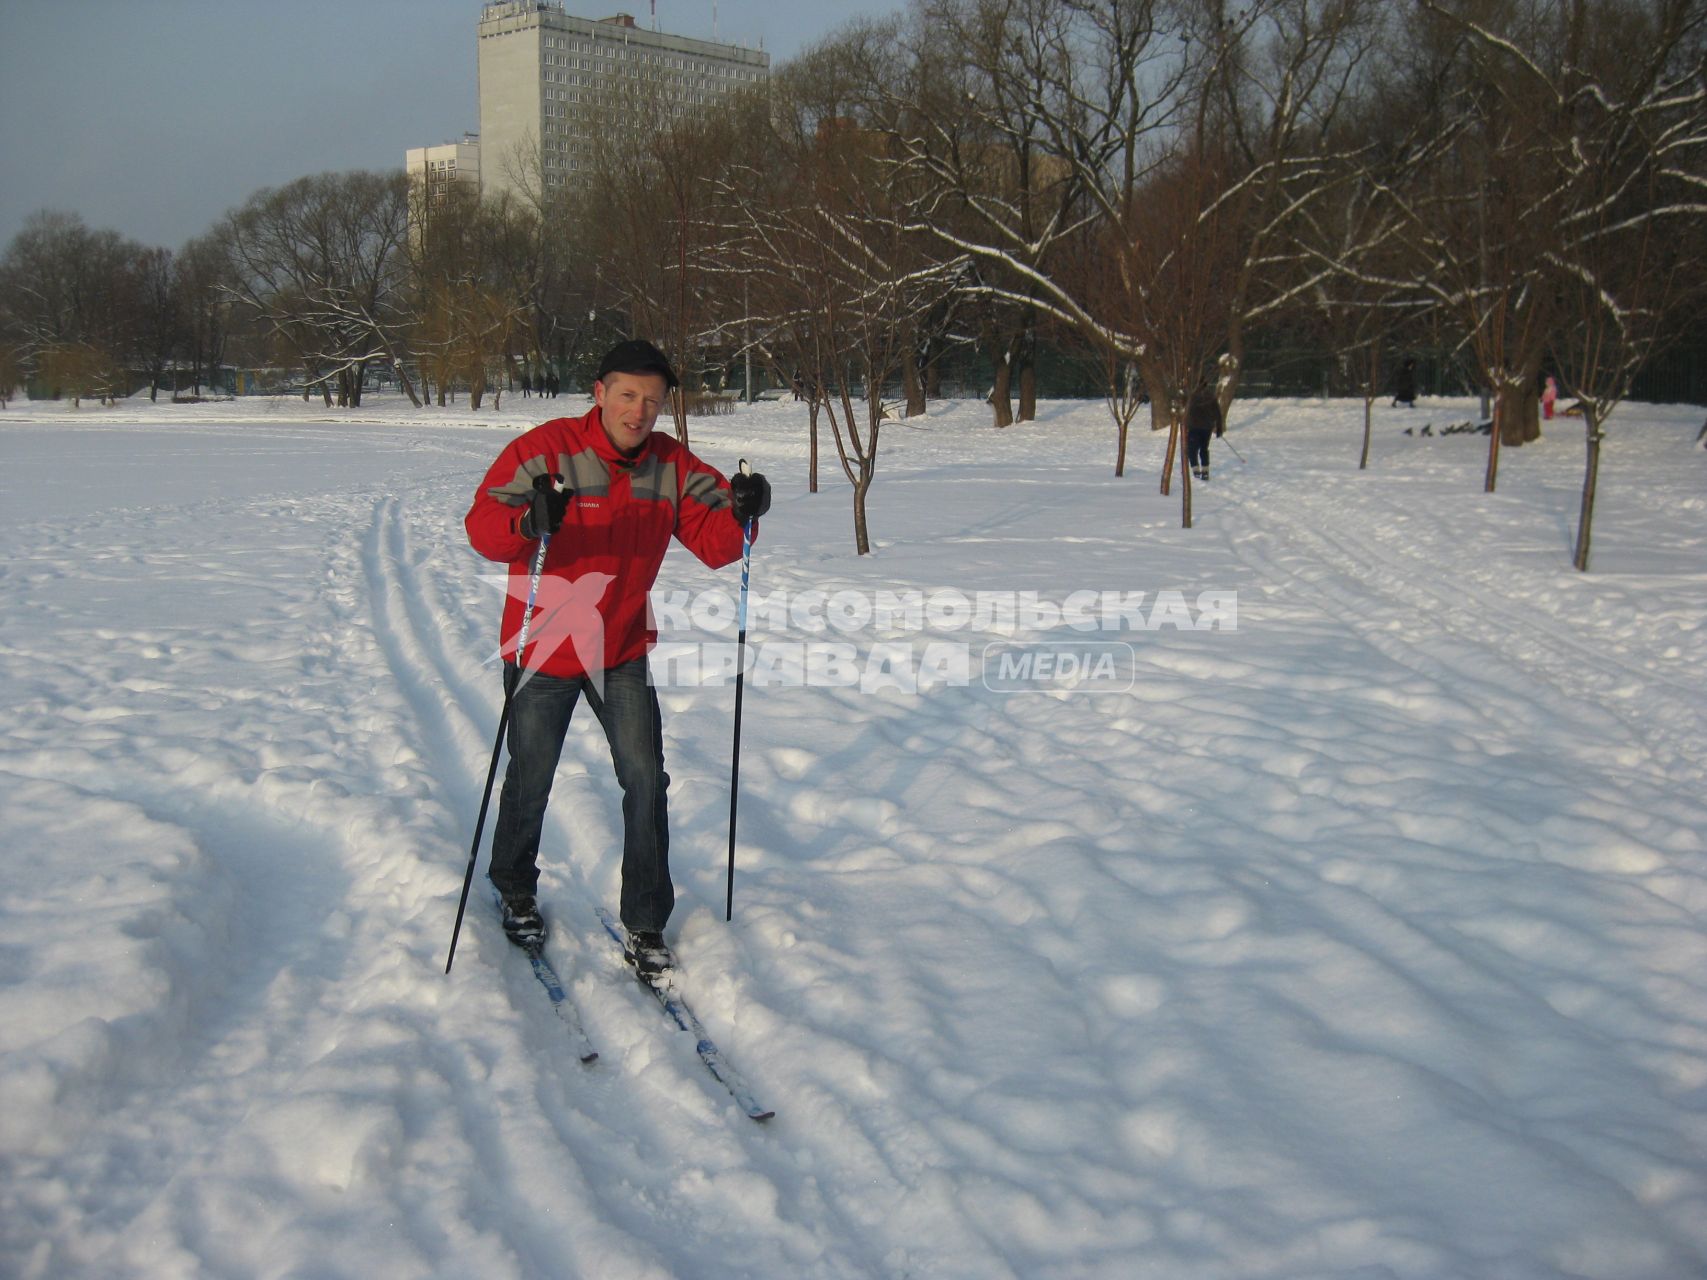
(862, 534)
(1120, 452)
(1185, 489)
(1493, 473)
(1510, 410)
(679, 410)
(1372, 381)
(408, 386)
(1028, 391)
(1168, 458)
(1592, 418)
(1228, 370)
(1024, 362)
(1001, 395)
(914, 385)
(1531, 410)
(812, 472)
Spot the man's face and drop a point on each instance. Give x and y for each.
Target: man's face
(629, 404)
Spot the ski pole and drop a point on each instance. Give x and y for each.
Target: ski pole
(740, 676)
(510, 687)
(1229, 444)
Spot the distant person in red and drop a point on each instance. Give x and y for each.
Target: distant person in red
(617, 494)
(1549, 397)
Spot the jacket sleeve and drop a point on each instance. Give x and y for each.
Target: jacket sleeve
(705, 519)
(502, 499)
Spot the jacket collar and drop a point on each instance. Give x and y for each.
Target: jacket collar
(605, 448)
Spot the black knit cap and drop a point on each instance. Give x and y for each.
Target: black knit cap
(637, 356)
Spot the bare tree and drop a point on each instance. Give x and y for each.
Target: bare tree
(1625, 265)
(475, 268)
(1279, 78)
(82, 371)
(11, 372)
(156, 326)
(200, 273)
(319, 263)
(1366, 300)
(1160, 276)
(656, 162)
(1035, 128)
(65, 288)
(824, 241)
(1533, 96)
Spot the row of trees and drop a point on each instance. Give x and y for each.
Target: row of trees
(1157, 187)
(86, 311)
(1164, 184)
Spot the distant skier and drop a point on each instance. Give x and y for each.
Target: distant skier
(1202, 419)
(1549, 397)
(626, 492)
(1405, 384)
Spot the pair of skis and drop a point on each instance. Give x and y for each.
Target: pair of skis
(669, 1000)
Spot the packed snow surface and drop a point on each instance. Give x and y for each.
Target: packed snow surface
(1367, 938)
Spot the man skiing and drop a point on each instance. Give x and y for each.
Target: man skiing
(610, 494)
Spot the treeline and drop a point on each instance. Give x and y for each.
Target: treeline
(1157, 189)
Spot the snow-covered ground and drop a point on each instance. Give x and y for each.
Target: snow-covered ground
(1367, 939)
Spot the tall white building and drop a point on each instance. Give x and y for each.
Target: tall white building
(546, 77)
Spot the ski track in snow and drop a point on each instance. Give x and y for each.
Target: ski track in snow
(1363, 940)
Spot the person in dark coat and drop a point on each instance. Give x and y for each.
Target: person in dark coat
(1405, 385)
(1202, 419)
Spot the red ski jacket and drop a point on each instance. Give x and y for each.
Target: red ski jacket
(600, 567)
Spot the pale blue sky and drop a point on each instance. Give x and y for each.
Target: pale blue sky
(154, 117)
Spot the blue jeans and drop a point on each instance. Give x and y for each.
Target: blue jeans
(628, 711)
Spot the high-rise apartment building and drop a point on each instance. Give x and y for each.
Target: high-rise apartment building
(548, 79)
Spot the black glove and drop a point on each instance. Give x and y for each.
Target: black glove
(751, 496)
(546, 507)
